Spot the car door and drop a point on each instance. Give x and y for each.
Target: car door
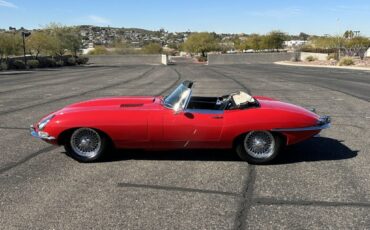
(207, 124)
(192, 128)
(178, 128)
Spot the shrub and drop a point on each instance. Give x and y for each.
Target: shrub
(152, 48)
(332, 56)
(33, 64)
(311, 58)
(202, 59)
(318, 50)
(71, 61)
(3, 66)
(19, 64)
(99, 50)
(82, 60)
(47, 62)
(346, 61)
(59, 63)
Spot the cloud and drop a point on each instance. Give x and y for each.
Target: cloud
(98, 19)
(277, 13)
(4, 3)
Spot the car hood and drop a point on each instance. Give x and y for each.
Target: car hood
(139, 102)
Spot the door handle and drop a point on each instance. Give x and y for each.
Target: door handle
(217, 117)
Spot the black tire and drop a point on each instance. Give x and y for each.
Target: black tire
(245, 154)
(70, 145)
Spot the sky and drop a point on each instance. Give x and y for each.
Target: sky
(237, 16)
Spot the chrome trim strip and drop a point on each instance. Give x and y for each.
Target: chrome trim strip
(311, 128)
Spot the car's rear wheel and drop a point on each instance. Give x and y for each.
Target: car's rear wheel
(258, 146)
(86, 144)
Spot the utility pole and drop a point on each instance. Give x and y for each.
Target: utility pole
(24, 35)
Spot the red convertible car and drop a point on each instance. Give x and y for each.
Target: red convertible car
(255, 127)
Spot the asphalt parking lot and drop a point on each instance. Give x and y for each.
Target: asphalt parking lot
(322, 183)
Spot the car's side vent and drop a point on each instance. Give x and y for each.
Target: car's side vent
(130, 105)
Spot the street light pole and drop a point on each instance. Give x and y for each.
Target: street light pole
(24, 35)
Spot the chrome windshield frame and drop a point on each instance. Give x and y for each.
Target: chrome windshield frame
(186, 85)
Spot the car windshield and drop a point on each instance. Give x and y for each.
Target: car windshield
(175, 96)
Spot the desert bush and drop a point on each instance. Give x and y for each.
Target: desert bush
(19, 64)
(152, 48)
(33, 64)
(59, 63)
(346, 61)
(3, 66)
(47, 62)
(82, 60)
(332, 56)
(71, 61)
(311, 58)
(318, 50)
(202, 59)
(99, 50)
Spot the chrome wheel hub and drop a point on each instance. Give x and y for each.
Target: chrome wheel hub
(259, 144)
(86, 142)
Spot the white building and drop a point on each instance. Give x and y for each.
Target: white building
(89, 48)
(294, 43)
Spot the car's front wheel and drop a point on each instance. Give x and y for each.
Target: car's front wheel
(86, 144)
(258, 146)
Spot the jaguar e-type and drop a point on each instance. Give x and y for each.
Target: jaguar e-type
(256, 127)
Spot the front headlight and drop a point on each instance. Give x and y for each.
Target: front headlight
(45, 121)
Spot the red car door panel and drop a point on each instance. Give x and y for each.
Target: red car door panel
(192, 127)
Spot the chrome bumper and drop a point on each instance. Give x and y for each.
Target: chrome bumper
(40, 135)
(323, 123)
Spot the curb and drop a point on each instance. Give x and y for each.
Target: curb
(322, 66)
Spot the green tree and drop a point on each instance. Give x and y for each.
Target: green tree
(303, 36)
(327, 42)
(348, 34)
(152, 48)
(356, 46)
(254, 41)
(10, 44)
(201, 43)
(38, 43)
(63, 39)
(72, 40)
(274, 40)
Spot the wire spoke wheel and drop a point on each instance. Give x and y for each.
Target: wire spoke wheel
(86, 142)
(259, 144)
